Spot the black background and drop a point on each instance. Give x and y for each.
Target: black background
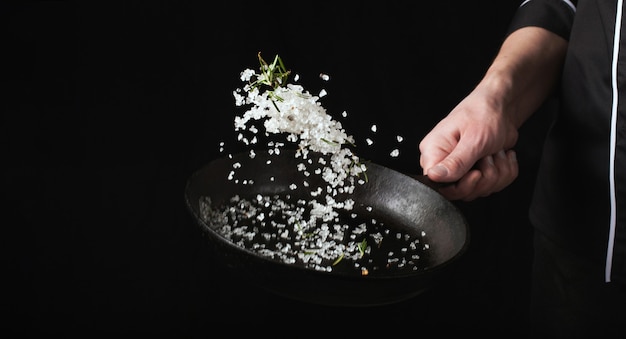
(108, 108)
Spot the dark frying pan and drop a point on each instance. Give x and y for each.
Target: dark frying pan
(401, 202)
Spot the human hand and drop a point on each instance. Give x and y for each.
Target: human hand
(490, 174)
(471, 147)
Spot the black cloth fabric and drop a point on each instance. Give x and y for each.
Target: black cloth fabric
(554, 15)
(573, 200)
(567, 301)
(579, 204)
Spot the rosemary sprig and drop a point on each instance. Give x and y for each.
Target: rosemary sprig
(273, 75)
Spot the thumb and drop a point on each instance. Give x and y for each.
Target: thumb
(453, 166)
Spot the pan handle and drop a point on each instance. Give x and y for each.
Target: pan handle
(424, 179)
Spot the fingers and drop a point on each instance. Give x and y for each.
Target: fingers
(491, 174)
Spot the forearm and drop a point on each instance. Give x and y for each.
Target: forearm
(524, 72)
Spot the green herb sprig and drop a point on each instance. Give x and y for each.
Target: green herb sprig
(273, 75)
(362, 246)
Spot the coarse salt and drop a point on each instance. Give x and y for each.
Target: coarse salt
(311, 229)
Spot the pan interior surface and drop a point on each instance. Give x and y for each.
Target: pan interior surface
(402, 209)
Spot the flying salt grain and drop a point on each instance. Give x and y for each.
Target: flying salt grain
(322, 93)
(373, 128)
(369, 141)
(324, 77)
(394, 153)
(399, 138)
